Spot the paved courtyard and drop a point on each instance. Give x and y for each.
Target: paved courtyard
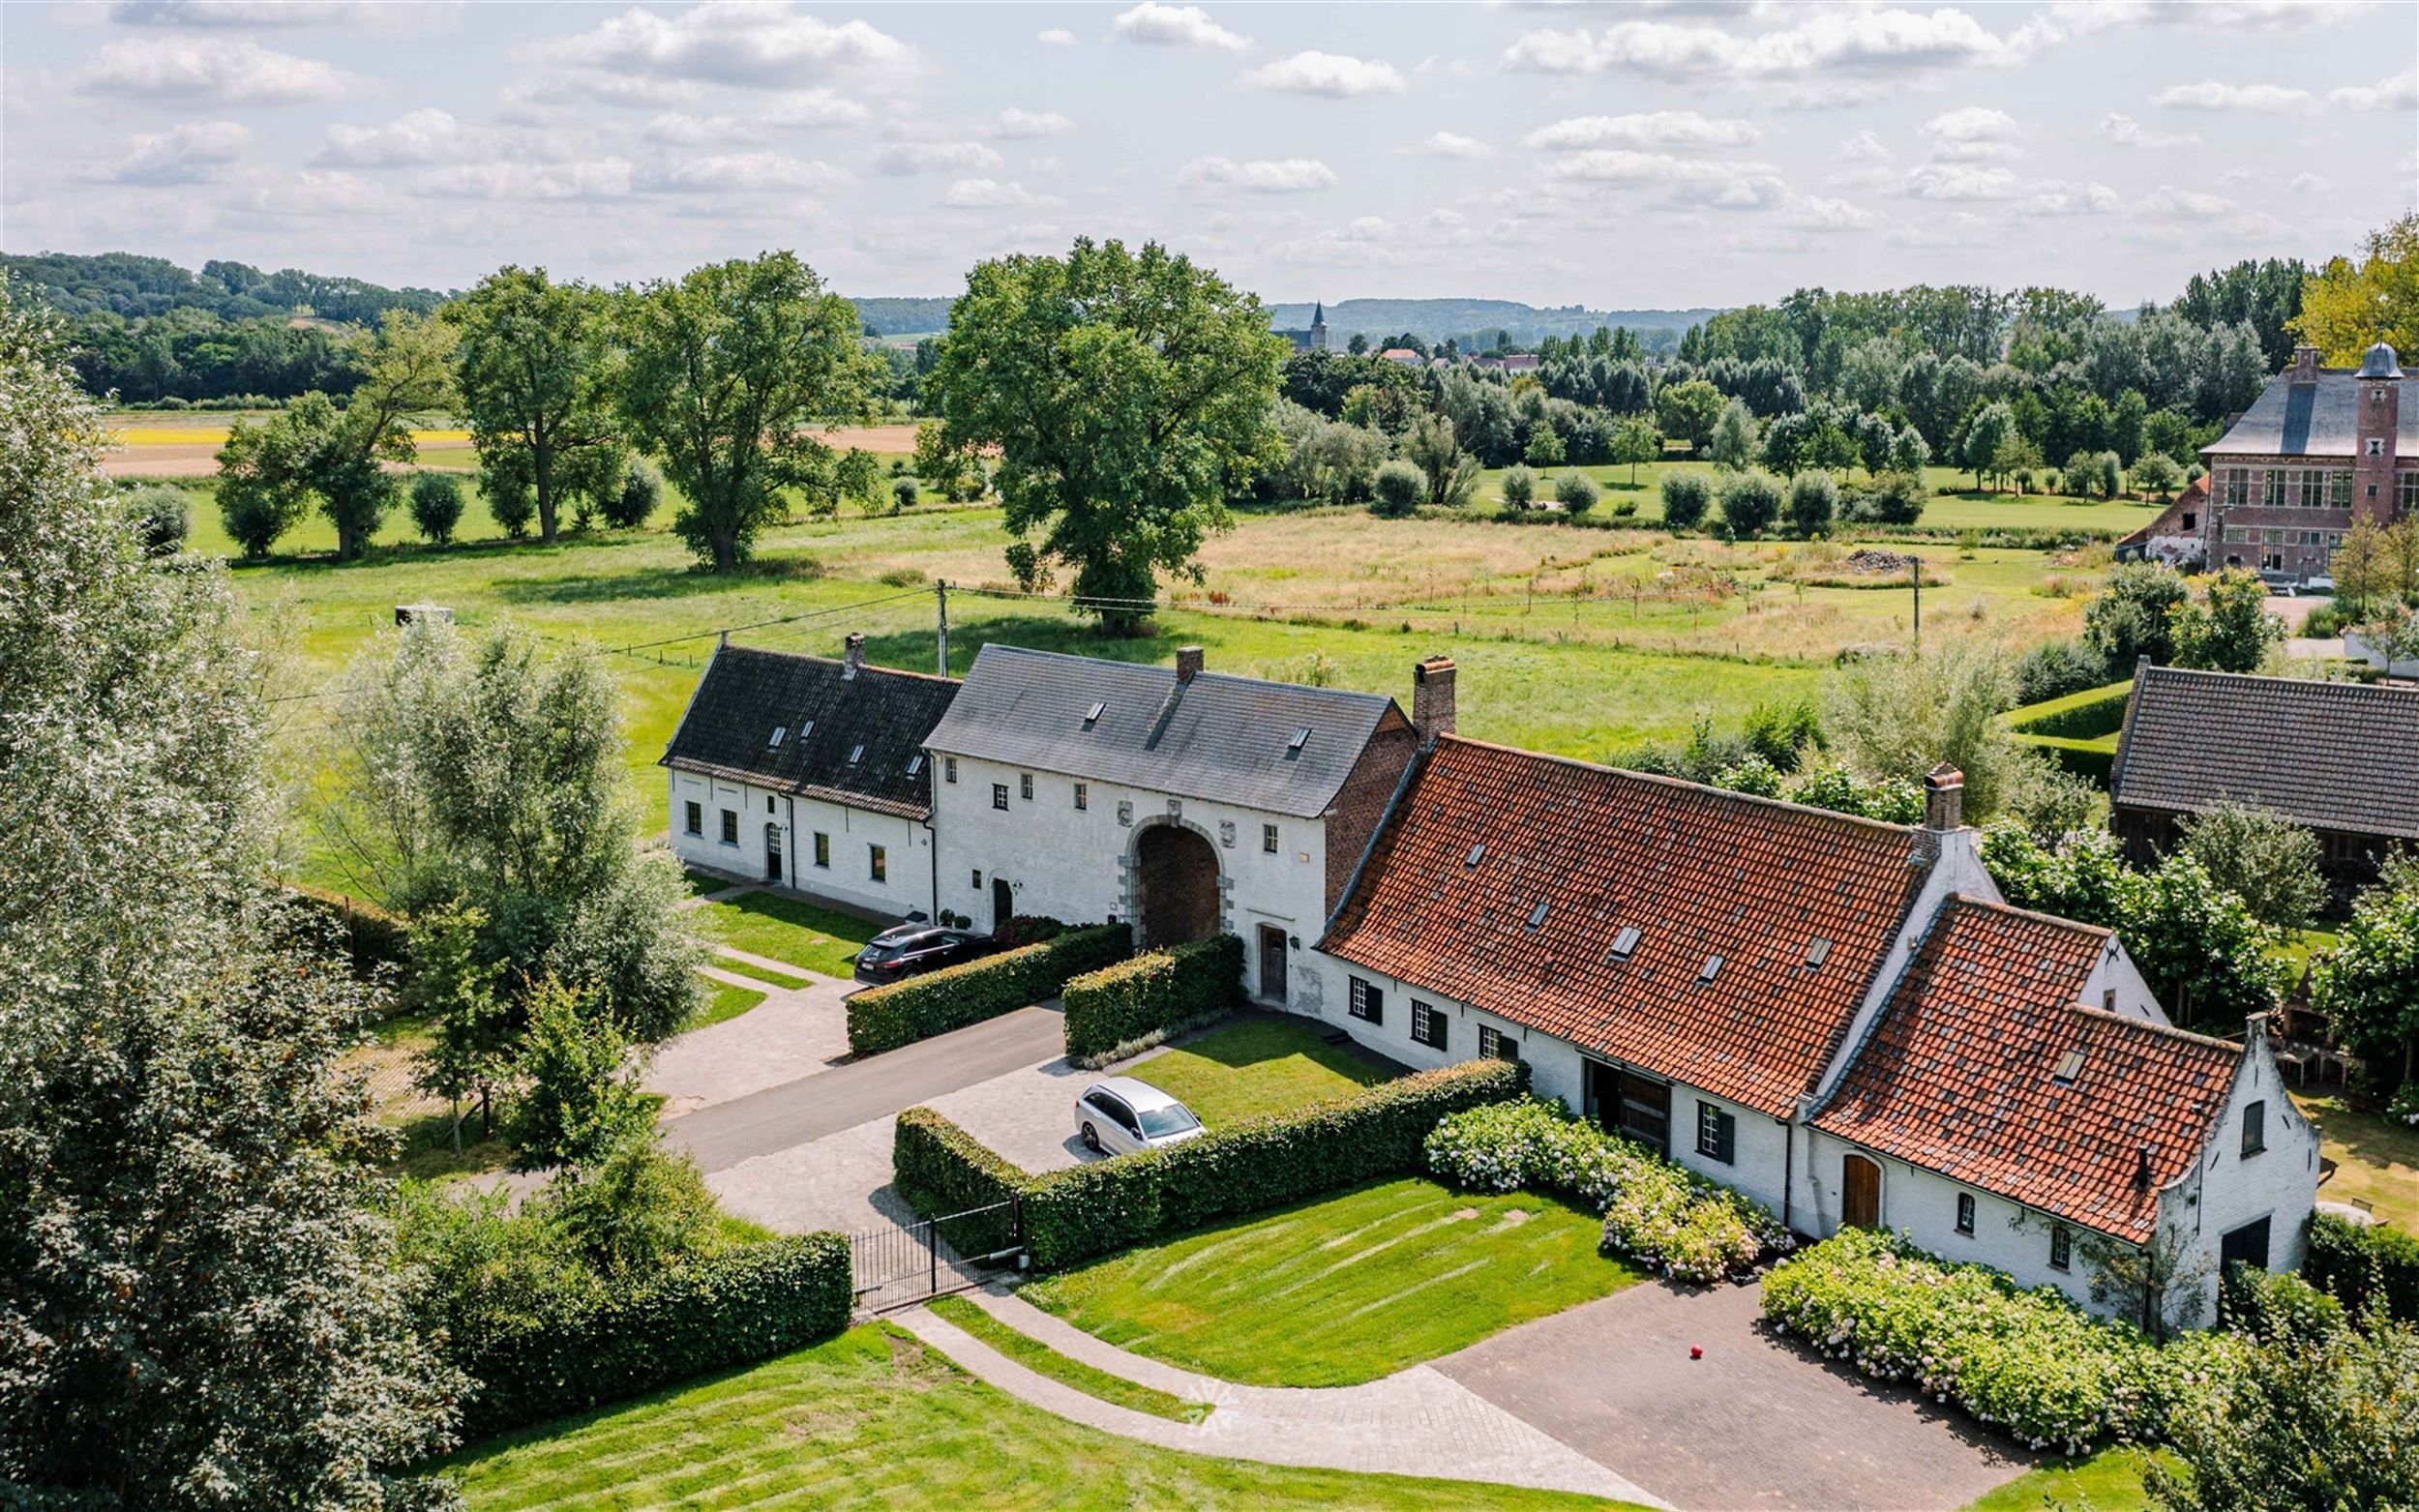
(1756, 1423)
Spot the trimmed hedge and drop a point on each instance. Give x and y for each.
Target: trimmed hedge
(2092, 759)
(939, 1169)
(371, 936)
(885, 1017)
(2079, 716)
(2360, 1265)
(1152, 994)
(1072, 1216)
(745, 1305)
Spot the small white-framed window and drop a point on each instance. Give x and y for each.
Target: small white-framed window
(1083, 795)
(1368, 1001)
(1965, 1213)
(1428, 1026)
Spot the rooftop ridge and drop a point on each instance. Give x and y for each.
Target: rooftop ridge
(1357, 693)
(2168, 1030)
(2329, 688)
(1784, 805)
(1996, 906)
(833, 661)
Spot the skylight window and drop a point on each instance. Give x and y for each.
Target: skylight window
(915, 763)
(779, 731)
(1302, 738)
(1091, 716)
(1537, 915)
(1708, 971)
(1625, 944)
(806, 727)
(1817, 951)
(856, 754)
(2070, 1067)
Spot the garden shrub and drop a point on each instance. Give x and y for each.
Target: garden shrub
(1750, 502)
(1519, 486)
(1687, 496)
(2364, 1266)
(2079, 716)
(642, 491)
(1666, 1217)
(2055, 668)
(1150, 995)
(1577, 492)
(511, 502)
(1248, 1167)
(1400, 486)
(2276, 1307)
(1813, 503)
(368, 933)
(2030, 1363)
(435, 506)
(584, 1348)
(162, 517)
(901, 1013)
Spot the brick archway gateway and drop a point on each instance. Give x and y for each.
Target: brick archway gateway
(1175, 885)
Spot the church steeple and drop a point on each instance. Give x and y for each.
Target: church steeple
(1318, 324)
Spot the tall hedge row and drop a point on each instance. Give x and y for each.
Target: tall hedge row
(2077, 716)
(371, 935)
(1152, 994)
(2359, 1264)
(746, 1304)
(1070, 1216)
(885, 1017)
(939, 1169)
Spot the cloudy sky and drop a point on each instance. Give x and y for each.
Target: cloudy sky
(1618, 157)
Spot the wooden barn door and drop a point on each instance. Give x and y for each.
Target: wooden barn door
(1860, 1201)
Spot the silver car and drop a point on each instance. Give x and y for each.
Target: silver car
(1120, 1115)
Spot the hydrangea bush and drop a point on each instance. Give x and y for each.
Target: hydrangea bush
(1660, 1214)
(2029, 1363)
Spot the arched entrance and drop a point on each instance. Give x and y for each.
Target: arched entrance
(1175, 875)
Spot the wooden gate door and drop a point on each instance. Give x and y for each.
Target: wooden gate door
(1271, 964)
(1860, 1201)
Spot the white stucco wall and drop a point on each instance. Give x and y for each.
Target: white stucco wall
(1069, 863)
(906, 843)
(2229, 1189)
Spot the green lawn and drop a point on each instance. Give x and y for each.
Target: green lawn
(1343, 1290)
(1268, 1067)
(2376, 1159)
(755, 973)
(873, 1419)
(2109, 1481)
(724, 1001)
(1043, 1361)
(789, 928)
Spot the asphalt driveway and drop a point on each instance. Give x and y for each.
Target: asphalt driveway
(1756, 1423)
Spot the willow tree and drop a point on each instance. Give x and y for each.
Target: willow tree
(725, 370)
(1128, 395)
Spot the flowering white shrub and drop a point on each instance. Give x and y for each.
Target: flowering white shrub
(2405, 1104)
(2030, 1363)
(1655, 1211)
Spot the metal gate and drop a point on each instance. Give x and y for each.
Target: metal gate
(899, 1263)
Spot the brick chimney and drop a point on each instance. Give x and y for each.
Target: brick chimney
(1944, 799)
(851, 653)
(1432, 699)
(2304, 364)
(1187, 663)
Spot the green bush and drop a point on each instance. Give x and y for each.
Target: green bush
(1750, 502)
(369, 934)
(642, 491)
(2364, 1266)
(1149, 994)
(2277, 1307)
(1577, 492)
(1687, 496)
(161, 514)
(1667, 1218)
(584, 1349)
(1813, 503)
(1521, 487)
(885, 1017)
(1400, 486)
(2030, 1363)
(435, 506)
(1071, 1215)
(2079, 716)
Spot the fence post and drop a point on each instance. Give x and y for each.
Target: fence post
(932, 1249)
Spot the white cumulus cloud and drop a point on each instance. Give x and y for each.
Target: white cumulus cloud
(191, 153)
(1453, 144)
(725, 41)
(1332, 74)
(209, 69)
(598, 178)
(430, 135)
(1015, 122)
(743, 171)
(2123, 130)
(1156, 26)
(1258, 176)
(1863, 147)
(2212, 93)
(1962, 181)
(934, 157)
(1054, 37)
(2399, 93)
(1878, 41)
(2187, 204)
(993, 195)
(1658, 129)
(2055, 198)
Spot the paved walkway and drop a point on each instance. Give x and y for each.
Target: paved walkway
(1415, 1422)
(795, 1113)
(795, 1032)
(1756, 1423)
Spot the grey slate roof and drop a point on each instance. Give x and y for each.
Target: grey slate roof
(2311, 420)
(2330, 755)
(745, 692)
(1218, 738)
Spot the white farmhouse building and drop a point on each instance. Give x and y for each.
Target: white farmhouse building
(1181, 800)
(1836, 1016)
(810, 773)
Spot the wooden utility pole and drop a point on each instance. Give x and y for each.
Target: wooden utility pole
(1916, 573)
(940, 608)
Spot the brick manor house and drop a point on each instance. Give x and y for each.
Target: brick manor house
(2320, 448)
(1839, 1018)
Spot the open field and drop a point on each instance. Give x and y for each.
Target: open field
(1262, 1067)
(184, 443)
(875, 1419)
(1345, 1289)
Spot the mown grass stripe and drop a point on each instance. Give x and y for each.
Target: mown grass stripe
(1045, 1361)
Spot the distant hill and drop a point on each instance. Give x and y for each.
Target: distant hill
(1436, 319)
(132, 286)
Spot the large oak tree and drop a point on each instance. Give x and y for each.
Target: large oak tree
(1128, 395)
(536, 374)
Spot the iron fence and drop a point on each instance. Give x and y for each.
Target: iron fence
(898, 1263)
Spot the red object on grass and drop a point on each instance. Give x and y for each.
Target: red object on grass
(1696, 1352)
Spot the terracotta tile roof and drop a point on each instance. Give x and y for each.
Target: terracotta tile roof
(2328, 755)
(1698, 871)
(879, 717)
(1959, 1075)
